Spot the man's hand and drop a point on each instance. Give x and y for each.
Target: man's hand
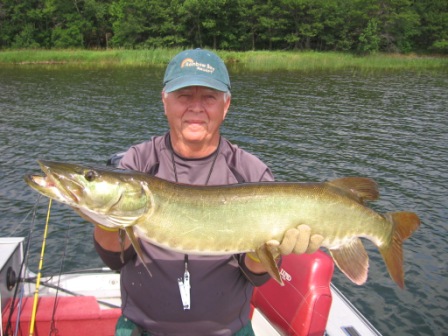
(299, 240)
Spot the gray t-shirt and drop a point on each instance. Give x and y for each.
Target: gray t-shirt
(221, 286)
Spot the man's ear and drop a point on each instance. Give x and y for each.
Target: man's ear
(226, 107)
(163, 94)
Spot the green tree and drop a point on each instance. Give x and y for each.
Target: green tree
(356, 25)
(433, 25)
(369, 38)
(305, 24)
(67, 23)
(342, 22)
(271, 24)
(400, 24)
(129, 22)
(22, 24)
(26, 38)
(247, 25)
(99, 29)
(164, 25)
(335, 34)
(145, 23)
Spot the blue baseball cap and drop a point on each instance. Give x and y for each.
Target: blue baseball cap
(197, 67)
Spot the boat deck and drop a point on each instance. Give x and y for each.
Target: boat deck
(87, 303)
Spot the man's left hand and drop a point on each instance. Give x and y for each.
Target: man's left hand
(299, 240)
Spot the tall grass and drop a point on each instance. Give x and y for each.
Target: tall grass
(309, 61)
(92, 57)
(238, 61)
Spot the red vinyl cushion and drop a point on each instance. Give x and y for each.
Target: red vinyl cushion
(301, 307)
(74, 315)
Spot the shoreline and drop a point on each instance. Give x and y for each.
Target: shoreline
(239, 61)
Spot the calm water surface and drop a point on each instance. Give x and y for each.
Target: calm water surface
(308, 127)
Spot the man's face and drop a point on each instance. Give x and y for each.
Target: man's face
(195, 113)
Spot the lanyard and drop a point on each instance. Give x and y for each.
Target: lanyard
(184, 282)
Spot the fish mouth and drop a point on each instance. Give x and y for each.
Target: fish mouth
(57, 183)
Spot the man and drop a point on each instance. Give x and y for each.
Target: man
(190, 294)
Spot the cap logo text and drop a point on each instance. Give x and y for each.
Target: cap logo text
(189, 62)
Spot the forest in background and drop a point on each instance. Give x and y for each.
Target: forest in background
(358, 26)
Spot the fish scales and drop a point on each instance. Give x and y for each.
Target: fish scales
(234, 218)
(212, 221)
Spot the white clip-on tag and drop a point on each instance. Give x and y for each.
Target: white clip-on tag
(184, 286)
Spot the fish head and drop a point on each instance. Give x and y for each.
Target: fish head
(94, 191)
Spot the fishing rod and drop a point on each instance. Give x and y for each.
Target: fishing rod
(39, 272)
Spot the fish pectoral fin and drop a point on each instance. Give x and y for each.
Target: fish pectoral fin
(134, 241)
(352, 260)
(266, 254)
(363, 188)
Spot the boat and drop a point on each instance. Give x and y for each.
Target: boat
(88, 302)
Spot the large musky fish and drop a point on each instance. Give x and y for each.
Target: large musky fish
(234, 218)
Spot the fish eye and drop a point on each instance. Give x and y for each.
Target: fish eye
(90, 175)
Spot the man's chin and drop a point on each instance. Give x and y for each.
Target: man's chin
(195, 134)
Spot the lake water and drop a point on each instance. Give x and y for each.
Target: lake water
(392, 127)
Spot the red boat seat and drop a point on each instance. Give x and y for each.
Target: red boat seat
(74, 315)
(301, 307)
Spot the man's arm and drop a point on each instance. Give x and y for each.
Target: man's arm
(109, 239)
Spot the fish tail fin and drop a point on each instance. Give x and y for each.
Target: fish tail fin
(404, 224)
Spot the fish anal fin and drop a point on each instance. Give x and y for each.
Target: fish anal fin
(134, 241)
(363, 188)
(264, 253)
(352, 260)
(404, 223)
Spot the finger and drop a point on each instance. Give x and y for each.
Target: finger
(315, 243)
(288, 242)
(303, 239)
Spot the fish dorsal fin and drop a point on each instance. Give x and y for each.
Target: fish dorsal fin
(361, 188)
(352, 260)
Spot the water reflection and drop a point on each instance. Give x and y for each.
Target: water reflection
(307, 127)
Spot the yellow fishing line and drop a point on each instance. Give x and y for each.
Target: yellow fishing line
(41, 261)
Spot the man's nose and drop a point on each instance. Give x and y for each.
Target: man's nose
(196, 104)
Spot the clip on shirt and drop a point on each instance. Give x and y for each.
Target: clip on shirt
(184, 286)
